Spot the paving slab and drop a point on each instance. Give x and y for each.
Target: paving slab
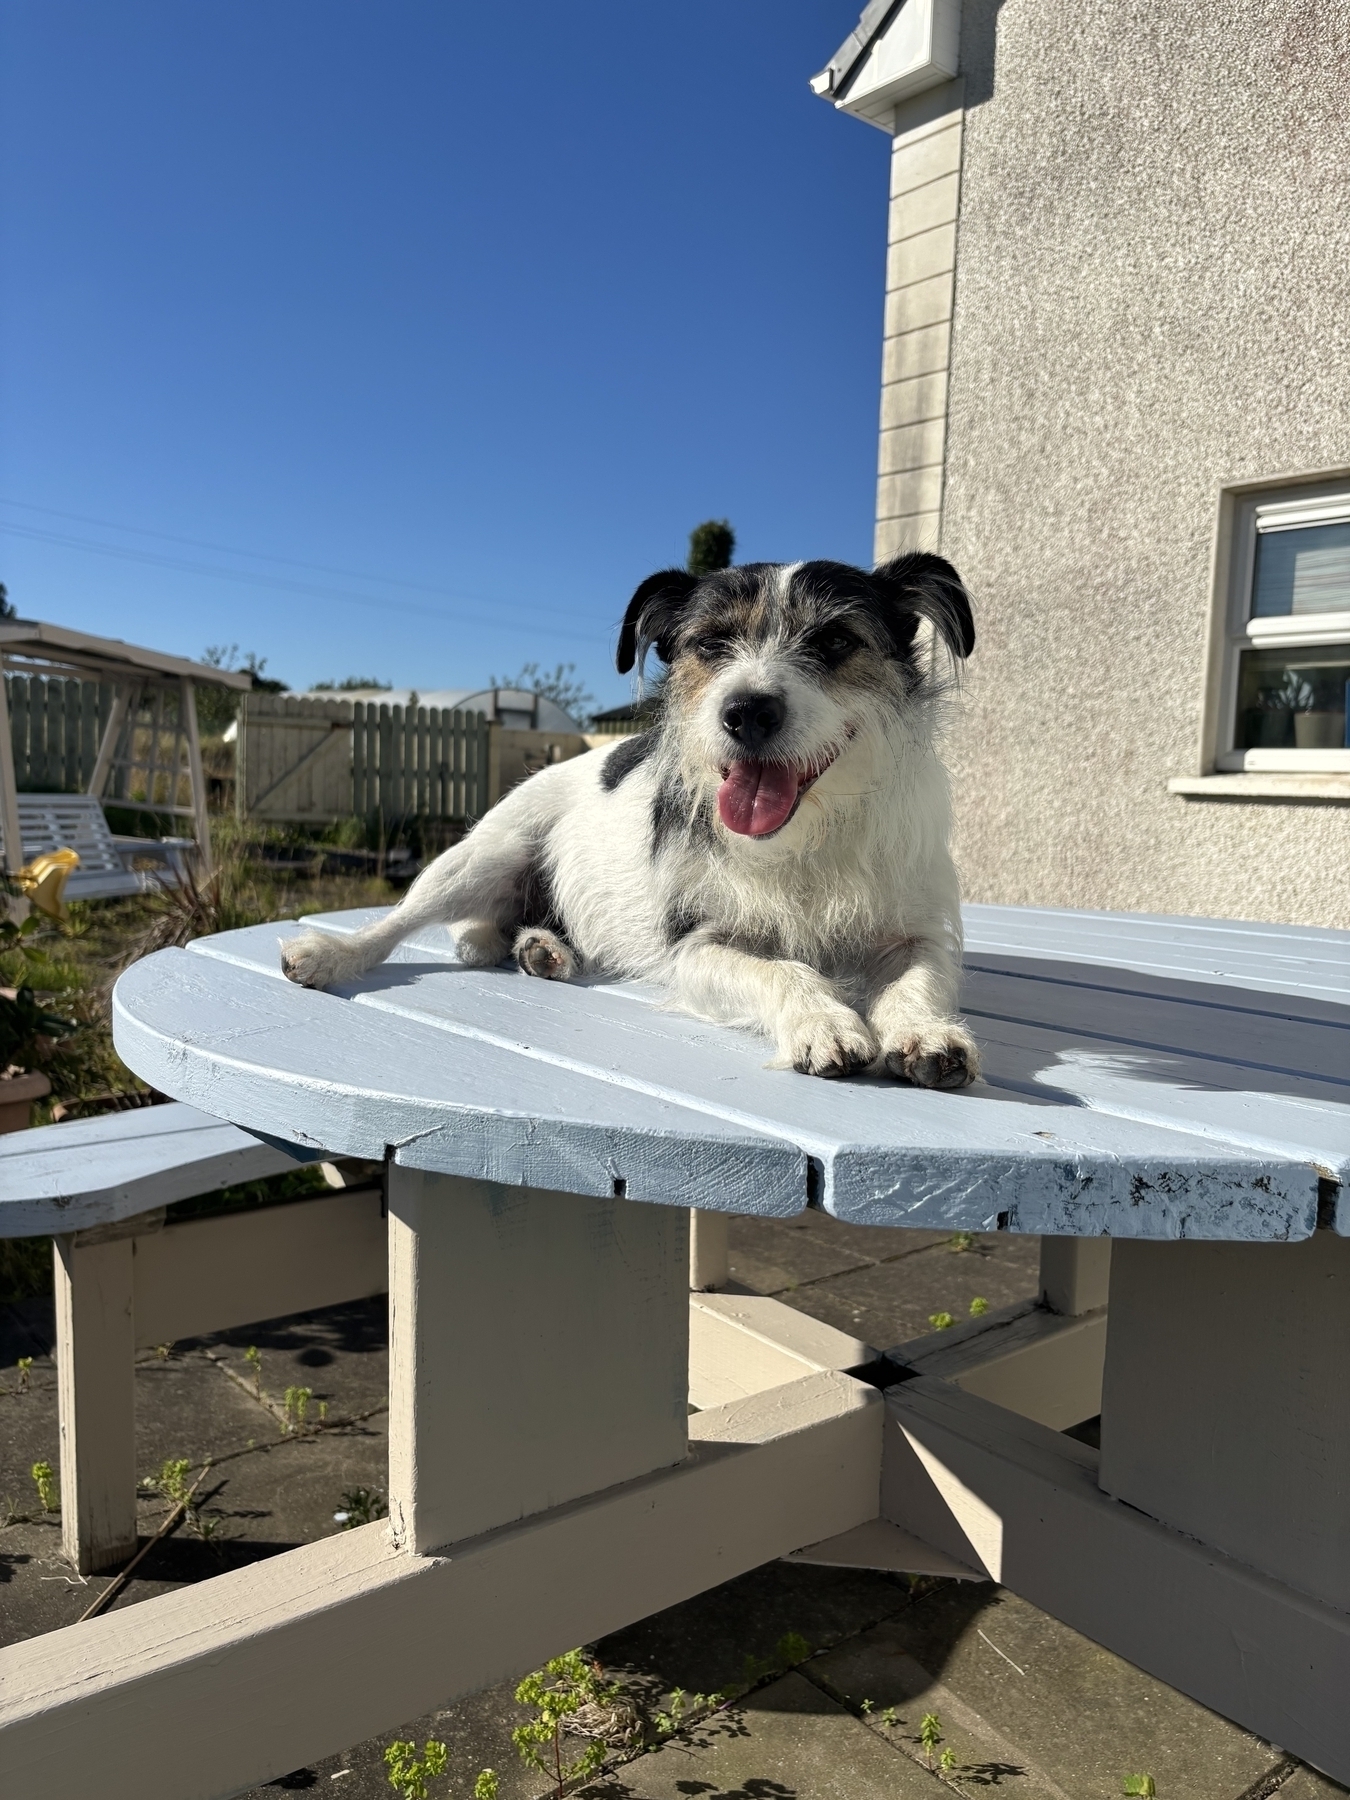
(889, 1303)
(770, 1256)
(1014, 1686)
(1307, 1784)
(342, 1353)
(715, 1641)
(267, 1491)
(788, 1741)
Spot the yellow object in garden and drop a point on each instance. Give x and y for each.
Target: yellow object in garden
(43, 880)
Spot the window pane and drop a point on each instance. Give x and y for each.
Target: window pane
(1306, 570)
(1293, 699)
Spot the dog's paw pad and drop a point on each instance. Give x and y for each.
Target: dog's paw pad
(831, 1046)
(940, 1058)
(543, 953)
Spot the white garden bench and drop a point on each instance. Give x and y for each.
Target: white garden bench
(126, 1280)
(107, 861)
(1178, 1087)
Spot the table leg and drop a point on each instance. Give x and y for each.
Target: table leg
(95, 1355)
(1075, 1274)
(709, 1250)
(539, 1349)
(1226, 1401)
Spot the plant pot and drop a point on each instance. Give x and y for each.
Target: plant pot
(17, 1094)
(1319, 730)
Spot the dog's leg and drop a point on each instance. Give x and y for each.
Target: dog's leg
(477, 884)
(813, 1029)
(481, 943)
(914, 989)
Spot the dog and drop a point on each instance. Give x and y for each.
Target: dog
(773, 850)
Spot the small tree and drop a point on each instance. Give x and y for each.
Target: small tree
(350, 684)
(6, 604)
(711, 546)
(216, 706)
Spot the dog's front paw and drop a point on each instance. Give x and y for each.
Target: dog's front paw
(316, 959)
(544, 953)
(829, 1044)
(936, 1056)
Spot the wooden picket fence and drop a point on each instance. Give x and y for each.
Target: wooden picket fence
(419, 760)
(56, 727)
(312, 758)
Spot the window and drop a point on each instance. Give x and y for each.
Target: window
(1286, 674)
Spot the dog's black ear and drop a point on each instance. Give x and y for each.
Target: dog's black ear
(920, 585)
(652, 612)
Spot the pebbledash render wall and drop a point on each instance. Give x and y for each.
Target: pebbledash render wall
(1118, 281)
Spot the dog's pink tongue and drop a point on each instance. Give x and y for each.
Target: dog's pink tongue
(757, 797)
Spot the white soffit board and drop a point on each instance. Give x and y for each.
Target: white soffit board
(916, 48)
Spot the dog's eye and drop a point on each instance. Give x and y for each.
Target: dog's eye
(709, 649)
(834, 643)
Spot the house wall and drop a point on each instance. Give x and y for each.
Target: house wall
(1152, 299)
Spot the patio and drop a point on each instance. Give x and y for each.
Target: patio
(1026, 1704)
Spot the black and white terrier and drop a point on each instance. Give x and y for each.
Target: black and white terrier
(774, 850)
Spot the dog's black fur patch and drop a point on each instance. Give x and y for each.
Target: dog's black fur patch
(676, 613)
(631, 753)
(667, 815)
(672, 814)
(537, 906)
(679, 922)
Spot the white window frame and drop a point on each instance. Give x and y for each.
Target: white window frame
(1286, 503)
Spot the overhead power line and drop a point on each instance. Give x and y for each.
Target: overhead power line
(527, 625)
(170, 537)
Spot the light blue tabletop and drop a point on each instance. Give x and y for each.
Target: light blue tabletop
(1145, 1077)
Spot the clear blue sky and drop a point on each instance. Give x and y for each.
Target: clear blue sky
(479, 307)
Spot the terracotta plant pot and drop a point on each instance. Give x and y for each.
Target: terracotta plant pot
(17, 1094)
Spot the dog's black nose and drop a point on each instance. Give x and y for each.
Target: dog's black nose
(752, 719)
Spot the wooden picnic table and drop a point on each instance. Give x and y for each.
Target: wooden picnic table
(1176, 1089)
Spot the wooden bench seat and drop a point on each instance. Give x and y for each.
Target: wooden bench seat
(125, 1280)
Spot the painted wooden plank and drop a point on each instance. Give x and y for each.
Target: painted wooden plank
(1022, 1502)
(709, 1251)
(79, 1706)
(885, 1153)
(88, 1172)
(97, 1403)
(295, 1064)
(741, 1344)
(1224, 1100)
(206, 1275)
(1319, 1050)
(1034, 1362)
(1075, 1275)
(1264, 1341)
(880, 1545)
(1294, 959)
(511, 1283)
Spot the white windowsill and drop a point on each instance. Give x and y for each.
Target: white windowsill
(1303, 786)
